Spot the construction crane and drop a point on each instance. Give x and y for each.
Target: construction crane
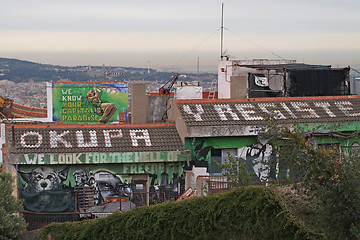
(167, 87)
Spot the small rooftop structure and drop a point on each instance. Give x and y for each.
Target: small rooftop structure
(280, 78)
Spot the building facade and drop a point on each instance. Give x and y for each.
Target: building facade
(213, 129)
(58, 164)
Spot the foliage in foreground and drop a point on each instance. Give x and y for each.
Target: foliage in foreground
(10, 223)
(328, 178)
(246, 213)
(234, 169)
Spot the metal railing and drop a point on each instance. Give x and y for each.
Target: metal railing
(38, 220)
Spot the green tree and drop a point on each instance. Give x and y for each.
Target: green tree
(327, 178)
(234, 169)
(10, 221)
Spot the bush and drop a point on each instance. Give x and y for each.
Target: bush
(234, 169)
(245, 213)
(10, 222)
(327, 177)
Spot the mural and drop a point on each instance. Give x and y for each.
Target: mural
(44, 190)
(44, 179)
(105, 110)
(58, 188)
(257, 157)
(166, 189)
(91, 103)
(201, 153)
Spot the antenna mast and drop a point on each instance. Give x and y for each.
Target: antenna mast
(198, 65)
(222, 31)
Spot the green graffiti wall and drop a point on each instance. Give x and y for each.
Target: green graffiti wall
(259, 158)
(52, 188)
(200, 147)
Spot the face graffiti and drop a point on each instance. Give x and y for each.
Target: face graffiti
(109, 185)
(257, 156)
(83, 178)
(44, 179)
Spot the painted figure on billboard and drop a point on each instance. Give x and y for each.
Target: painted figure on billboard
(105, 110)
(89, 102)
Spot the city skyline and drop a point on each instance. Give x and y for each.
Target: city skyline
(182, 36)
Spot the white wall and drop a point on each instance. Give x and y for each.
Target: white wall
(224, 74)
(188, 92)
(2, 141)
(228, 68)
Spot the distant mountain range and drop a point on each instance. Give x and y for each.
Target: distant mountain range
(16, 70)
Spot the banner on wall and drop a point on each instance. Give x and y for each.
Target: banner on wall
(90, 102)
(103, 158)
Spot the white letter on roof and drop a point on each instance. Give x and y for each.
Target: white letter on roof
(55, 138)
(325, 106)
(221, 109)
(288, 110)
(275, 113)
(300, 107)
(197, 115)
(108, 136)
(81, 142)
(144, 135)
(346, 107)
(31, 133)
(246, 113)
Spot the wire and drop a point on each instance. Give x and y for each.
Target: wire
(195, 48)
(354, 70)
(255, 44)
(200, 44)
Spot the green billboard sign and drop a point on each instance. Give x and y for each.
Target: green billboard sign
(90, 102)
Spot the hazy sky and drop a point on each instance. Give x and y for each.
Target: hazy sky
(178, 34)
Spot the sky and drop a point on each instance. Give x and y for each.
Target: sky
(179, 35)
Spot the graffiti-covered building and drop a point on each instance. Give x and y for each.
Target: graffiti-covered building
(81, 167)
(212, 129)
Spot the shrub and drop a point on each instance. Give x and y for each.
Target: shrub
(245, 213)
(325, 176)
(10, 221)
(234, 169)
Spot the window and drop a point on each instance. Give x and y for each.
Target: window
(219, 156)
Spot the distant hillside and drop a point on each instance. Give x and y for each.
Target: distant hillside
(16, 70)
(22, 71)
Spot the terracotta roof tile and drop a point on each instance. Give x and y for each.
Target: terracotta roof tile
(253, 111)
(90, 138)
